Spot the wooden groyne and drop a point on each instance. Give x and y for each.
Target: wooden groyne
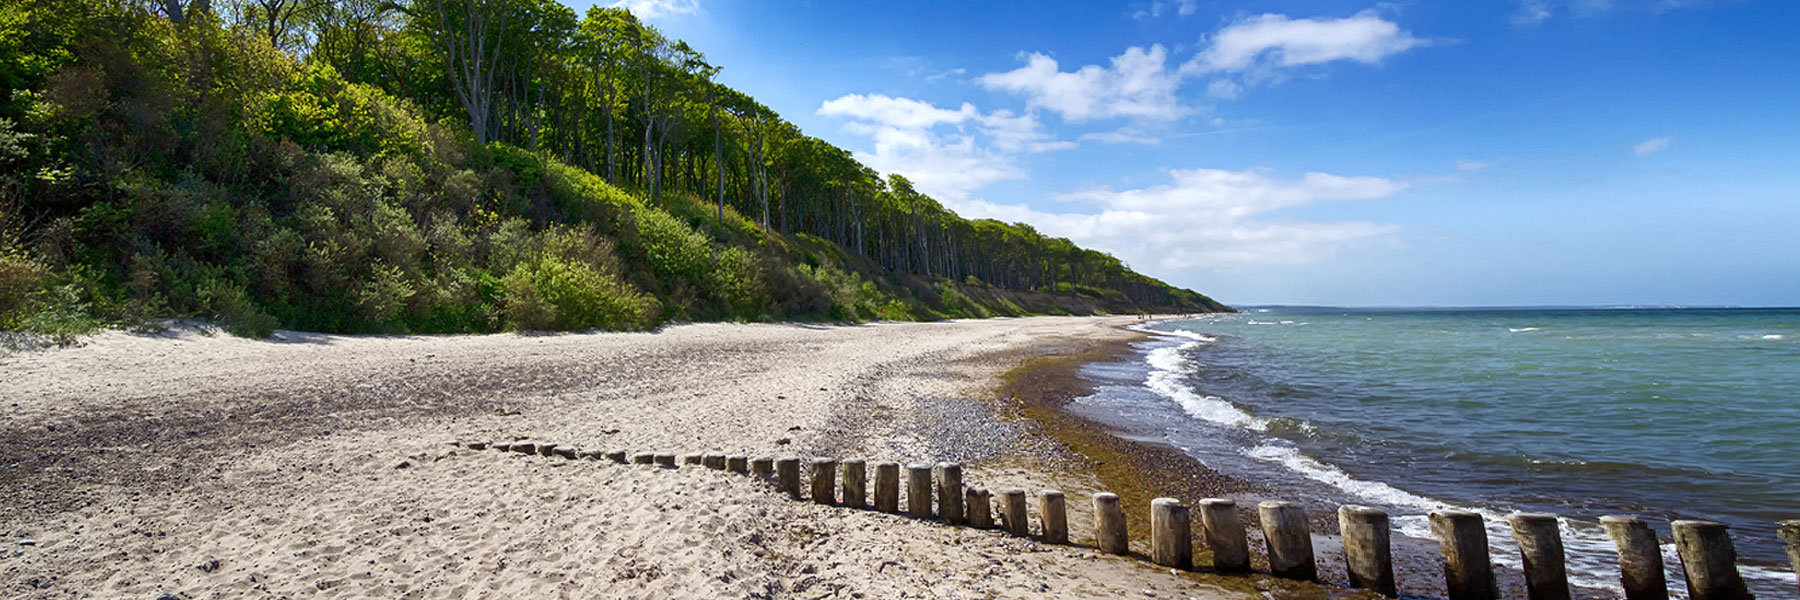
(1708, 558)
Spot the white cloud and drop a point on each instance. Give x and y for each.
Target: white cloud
(651, 9)
(1273, 41)
(946, 153)
(1223, 88)
(1210, 219)
(1157, 8)
(1652, 146)
(1468, 166)
(1137, 84)
(1532, 12)
(895, 112)
(1122, 136)
(1536, 12)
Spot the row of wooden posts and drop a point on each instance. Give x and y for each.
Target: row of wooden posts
(1707, 556)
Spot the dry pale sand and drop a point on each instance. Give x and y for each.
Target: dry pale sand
(317, 466)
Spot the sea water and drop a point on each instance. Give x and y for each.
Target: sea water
(1662, 413)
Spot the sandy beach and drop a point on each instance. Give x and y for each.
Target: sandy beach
(320, 466)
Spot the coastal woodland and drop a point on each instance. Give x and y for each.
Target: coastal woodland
(419, 166)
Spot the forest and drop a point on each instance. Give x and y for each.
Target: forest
(424, 166)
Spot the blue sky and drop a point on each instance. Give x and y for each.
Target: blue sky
(1410, 153)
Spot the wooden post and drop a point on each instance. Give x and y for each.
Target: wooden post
(856, 483)
(546, 448)
(525, 447)
(1540, 545)
(824, 481)
(715, 462)
(887, 487)
(1225, 535)
(1640, 558)
(762, 466)
(666, 461)
(980, 510)
(643, 458)
(950, 492)
(1054, 512)
(787, 476)
(1468, 573)
(918, 490)
(617, 456)
(1109, 525)
(1368, 555)
(692, 459)
(1709, 561)
(1289, 540)
(737, 463)
(1170, 544)
(1012, 512)
(1789, 532)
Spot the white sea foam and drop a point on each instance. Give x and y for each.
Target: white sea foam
(1523, 329)
(1167, 369)
(1774, 336)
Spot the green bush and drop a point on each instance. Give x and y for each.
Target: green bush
(551, 293)
(321, 110)
(672, 249)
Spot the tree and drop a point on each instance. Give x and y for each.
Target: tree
(469, 33)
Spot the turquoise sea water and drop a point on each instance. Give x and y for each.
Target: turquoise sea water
(1665, 413)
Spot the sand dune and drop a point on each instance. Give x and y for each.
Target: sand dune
(320, 466)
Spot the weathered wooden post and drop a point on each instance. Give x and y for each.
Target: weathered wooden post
(737, 463)
(887, 487)
(1170, 544)
(1109, 525)
(568, 452)
(1289, 540)
(950, 492)
(1012, 512)
(918, 490)
(643, 458)
(980, 509)
(525, 447)
(856, 483)
(1789, 532)
(715, 462)
(762, 467)
(1640, 558)
(824, 481)
(787, 476)
(666, 461)
(546, 448)
(1540, 545)
(692, 459)
(1054, 512)
(1225, 535)
(1368, 554)
(1709, 561)
(1468, 572)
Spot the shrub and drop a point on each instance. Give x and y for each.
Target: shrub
(672, 249)
(551, 293)
(21, 283)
